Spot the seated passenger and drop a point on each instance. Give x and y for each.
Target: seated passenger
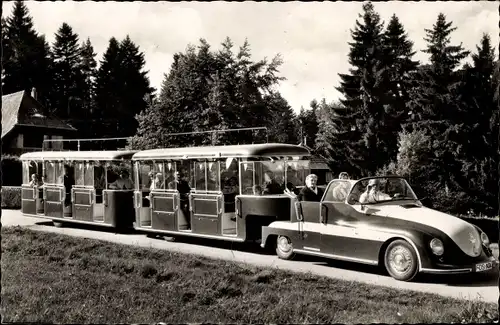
(257, 190)
(339, 192)
(344, 175)
(34, 181)
(157, 183)
(270, 184)
(311, 192)
(372, 193)
(179, 183)
(122, 183)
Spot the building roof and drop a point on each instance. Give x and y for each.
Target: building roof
(317, 162)
(79, 155)
(247, 150)
(11, 115)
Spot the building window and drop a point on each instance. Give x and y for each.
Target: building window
(33, 140)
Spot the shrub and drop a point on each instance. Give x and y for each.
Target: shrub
(11, 197)
(11, 170)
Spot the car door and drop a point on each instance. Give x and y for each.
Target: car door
(311, 227)
(336, 233)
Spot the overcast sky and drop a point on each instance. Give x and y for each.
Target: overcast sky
(311, 37)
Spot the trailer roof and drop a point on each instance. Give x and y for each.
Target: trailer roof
(78, 155)
(248, 150)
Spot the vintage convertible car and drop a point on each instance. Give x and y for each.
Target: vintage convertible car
(380, 221)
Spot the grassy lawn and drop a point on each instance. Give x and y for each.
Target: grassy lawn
(60, 279)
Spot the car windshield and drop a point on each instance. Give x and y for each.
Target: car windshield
(381, 189)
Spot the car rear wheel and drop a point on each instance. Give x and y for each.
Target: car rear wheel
(284, 248)
(401, 261)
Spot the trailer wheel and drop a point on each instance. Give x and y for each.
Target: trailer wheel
(57, 224)
(284, 248)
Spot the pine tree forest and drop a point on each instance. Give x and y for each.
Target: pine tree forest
(435, 123)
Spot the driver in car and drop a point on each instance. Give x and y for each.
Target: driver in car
(372, 193)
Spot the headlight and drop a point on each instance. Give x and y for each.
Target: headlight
(437, 247)
(485, 239)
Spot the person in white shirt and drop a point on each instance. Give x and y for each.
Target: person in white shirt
(372, 193)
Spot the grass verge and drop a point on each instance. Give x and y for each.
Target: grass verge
(55, 278)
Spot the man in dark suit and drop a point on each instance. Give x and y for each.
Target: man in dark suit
(311, 192)
(68, 181)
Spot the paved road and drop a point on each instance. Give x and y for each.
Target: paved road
(484, 287)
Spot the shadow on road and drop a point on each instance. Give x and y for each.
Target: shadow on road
(460, 280)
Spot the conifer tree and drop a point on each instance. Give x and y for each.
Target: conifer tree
(68, 78)
(26, 56)
(433, 106)
(363, 103)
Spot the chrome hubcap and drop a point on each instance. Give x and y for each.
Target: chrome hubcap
(400, 259)
(284, 244)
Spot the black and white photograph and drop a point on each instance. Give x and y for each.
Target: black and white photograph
(250, 162)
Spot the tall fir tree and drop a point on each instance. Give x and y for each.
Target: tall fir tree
(280, 119)
(107, 82)
(479, 156)
(307, 124)
(89, 72)
(133, 86)
(397, 74)
(26, 56)
(363, 93)
(334, 132)
(68, 77)
(434, 107)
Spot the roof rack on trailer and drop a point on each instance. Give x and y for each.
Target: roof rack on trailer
(80, 141)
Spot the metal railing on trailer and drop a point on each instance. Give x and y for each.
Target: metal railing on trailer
(48, 143)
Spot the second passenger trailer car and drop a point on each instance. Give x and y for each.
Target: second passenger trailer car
(219, 192)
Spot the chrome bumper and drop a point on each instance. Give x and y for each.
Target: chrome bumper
(494, 262)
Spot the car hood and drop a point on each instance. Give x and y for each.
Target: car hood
(464, 234)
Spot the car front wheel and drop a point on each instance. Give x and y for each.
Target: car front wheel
(400, 260)
(284, 248)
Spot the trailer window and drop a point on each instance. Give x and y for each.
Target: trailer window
(59, 172)
(50, 170)
(170, 169)
(199, 173)
(99, 177)
(88, 178)
(270, 175)
(229, 176)
(248, 179)
(145, 174)
(26, 172)
(213, 176)
(80, 174)
(296, 173)
(207, 176)
(185, 169)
